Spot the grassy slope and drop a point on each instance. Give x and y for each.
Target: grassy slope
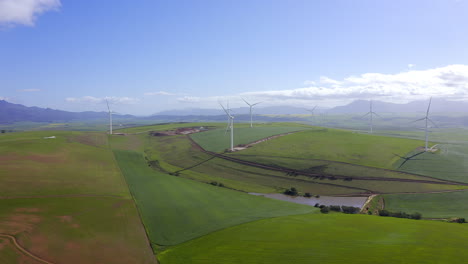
(431, 205)
(335, 238)
(175, 153)
(337, 145)
(218, 140)
(450, 162)
(72, 163)
(176, 209)
(94, 218)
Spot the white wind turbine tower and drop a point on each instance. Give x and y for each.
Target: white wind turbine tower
(230, 125)
(110, 117)
(312, 111)
(427, 119)
(250, 105)
(371, 120)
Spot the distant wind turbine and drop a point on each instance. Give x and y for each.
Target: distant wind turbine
(110, 117)
(230, 125)
(427, 119)
(312, 111)
(371, 121)
(250, 105)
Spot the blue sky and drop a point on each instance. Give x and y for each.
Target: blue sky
(149, 56)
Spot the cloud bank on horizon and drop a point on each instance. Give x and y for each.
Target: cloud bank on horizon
(25, 12)
(449, 82)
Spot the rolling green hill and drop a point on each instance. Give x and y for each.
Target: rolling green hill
(175, 209)
(334, 238)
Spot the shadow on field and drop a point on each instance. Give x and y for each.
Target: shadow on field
(406, 159)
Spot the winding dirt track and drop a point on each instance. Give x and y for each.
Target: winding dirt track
(318, 175)
(23, 250)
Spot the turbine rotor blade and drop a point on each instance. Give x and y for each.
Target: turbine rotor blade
(418, 120)
(226, 111)
(428, 107)
(246, 101)
(433, 122)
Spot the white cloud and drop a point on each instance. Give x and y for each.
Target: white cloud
(326, 80)
(25, 12)
(189, 99)
(448, 82)
(29, 90)
(4, 98)
(410, 66)
(159, 93)
(96, 100)
(309, 82)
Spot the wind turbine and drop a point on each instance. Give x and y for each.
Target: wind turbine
(312, 111)
(250, 105)
(110, 117)
(427, 119)
(371, 113)
(230, 125)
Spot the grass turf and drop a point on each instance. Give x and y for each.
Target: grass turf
(333, 238)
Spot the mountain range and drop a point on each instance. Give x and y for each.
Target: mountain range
(10, 113)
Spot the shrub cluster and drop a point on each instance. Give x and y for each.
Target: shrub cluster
(217, 184)
(415, 216)
(293, 191)
(337, 208)
(459, 220)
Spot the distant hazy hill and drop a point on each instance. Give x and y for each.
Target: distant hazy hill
(10, 113)
(358, 106)
(273, 110)
(437, 106)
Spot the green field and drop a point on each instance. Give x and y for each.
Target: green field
(334, 238)
(176, 154)
(449, 163)
(71, 163)
(65, 200)
(218, 140)
(337, 145)
(430, 205)
(175, 209)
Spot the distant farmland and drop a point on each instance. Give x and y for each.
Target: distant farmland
(66, 201)
(89, 197)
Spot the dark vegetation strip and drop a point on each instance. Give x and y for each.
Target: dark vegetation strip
(360, 166)
(317, 175)
(23, 250)
(367, 191)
